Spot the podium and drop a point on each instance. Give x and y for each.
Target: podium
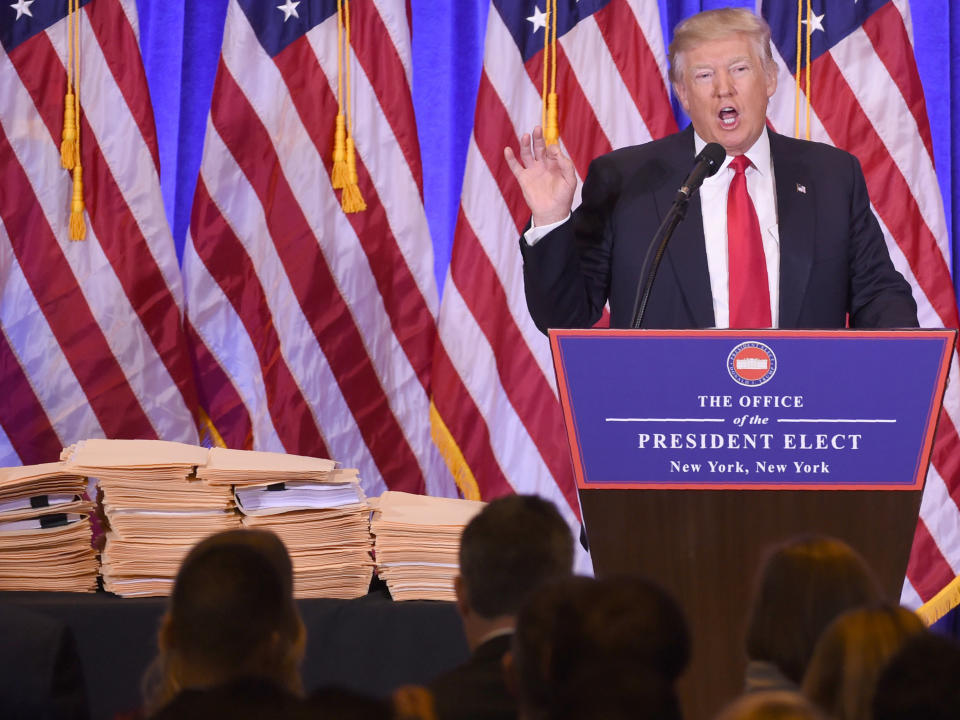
(693, 451)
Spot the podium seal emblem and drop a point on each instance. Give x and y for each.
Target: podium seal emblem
(751, 364)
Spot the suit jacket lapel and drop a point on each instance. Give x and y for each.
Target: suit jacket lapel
(686, 253)
(796, 225)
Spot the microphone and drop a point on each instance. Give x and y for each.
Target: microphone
(705, 164)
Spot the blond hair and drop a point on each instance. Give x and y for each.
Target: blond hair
(713, 25)
(851, 654)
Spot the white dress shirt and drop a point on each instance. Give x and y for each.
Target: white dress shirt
(713, 201)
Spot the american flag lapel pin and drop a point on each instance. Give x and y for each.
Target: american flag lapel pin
(801, 188)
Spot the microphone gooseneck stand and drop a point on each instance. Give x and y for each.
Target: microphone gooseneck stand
(707, 163)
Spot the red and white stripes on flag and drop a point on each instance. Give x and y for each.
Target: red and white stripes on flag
(496, 412)
(866, 98)
(91, 338)
(313, 330)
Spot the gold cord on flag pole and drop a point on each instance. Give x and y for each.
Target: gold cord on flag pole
(551, 132)
(546, 69)
(351, 200)
(338, 176)
(68, 150)
(78, 224)
(796, 95)
(809, 36)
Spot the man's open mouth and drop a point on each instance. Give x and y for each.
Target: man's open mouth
(728, 116)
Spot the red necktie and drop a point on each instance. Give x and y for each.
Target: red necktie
(749, 291)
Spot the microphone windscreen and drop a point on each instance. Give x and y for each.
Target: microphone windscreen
(714, 155)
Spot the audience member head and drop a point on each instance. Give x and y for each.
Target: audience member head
(842, 675)
(610, 648)
(921, 681)
(803, 585)
(771, 705)
(513, 545)
(231, 615)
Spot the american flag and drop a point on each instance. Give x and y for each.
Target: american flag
(497, 416)
(91, 338)
(313, 330)
(866, 97)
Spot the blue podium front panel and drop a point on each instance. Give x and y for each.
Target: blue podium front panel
(751, 409)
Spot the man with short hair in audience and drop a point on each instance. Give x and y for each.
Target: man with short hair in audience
(232, 628)
(511, 547)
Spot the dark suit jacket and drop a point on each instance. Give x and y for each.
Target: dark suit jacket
(833, 258)
(40, 674)
(476, 690)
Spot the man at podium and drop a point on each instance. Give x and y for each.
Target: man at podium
(782, 235)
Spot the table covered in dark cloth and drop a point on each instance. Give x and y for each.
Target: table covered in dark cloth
(372, 644)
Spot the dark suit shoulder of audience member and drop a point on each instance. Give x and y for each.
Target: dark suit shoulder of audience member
(41, 675)
(252, 698)
(842, 675)
(803, 584)
(921, 681)
(477, 688)
(610, 648)
(506, 551)
(771, 705)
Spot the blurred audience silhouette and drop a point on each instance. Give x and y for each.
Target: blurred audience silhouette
(510, 548)
(231, 619)
(802, 586)
(611, 648)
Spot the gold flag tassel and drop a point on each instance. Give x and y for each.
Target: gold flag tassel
(351, 200)
(551, 130)
(548, 91)
(78, 224)
(68, 148)
(339, 173)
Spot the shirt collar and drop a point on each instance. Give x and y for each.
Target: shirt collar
(495, 634)
(758, 154)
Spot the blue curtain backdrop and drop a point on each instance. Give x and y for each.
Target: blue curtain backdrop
(181, 47)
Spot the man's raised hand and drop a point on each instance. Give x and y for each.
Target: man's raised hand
(546, 176)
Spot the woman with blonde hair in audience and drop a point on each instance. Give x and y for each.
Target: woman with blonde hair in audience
(850, 655)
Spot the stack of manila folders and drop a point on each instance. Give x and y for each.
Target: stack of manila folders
(319, 512)
(155, 507)
(45, 530)
(160, 498)
(417, 543)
